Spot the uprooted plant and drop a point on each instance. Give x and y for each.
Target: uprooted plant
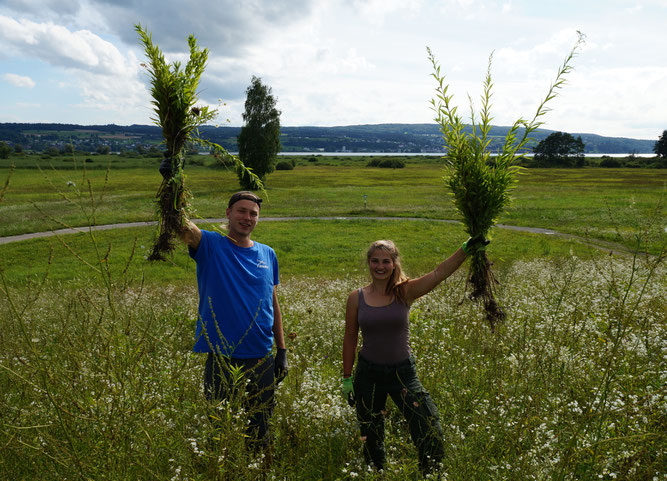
(174, 92)
(480, 184)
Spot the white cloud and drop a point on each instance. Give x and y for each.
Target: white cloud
(105, 78)
(19, 80)
(61, 47)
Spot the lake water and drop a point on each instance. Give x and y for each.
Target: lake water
(430, 154)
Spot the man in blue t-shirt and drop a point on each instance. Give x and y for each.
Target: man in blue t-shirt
(239, 316)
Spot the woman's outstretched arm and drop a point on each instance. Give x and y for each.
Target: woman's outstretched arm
(351, 333)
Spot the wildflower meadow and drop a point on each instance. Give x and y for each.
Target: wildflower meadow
(98, 381)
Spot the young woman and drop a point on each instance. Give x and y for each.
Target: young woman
(385, 364)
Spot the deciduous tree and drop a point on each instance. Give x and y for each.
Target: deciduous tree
(660, 147)
(560, 148)
(5, 150)
(259, 139)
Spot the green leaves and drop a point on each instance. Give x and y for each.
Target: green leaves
(174, 92)
(481, 184)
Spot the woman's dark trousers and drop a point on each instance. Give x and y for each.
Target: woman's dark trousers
(372, 384)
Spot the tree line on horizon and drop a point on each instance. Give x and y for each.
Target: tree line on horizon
(406, 138)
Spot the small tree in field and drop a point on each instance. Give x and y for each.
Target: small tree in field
(5, 150)
(560, 149)
(259, 140)
(660, 147)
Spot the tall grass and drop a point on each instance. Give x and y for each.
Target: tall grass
(101, 384)
(98, 382)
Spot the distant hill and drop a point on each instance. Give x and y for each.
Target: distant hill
(389, 138)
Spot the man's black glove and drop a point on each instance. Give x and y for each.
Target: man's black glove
(165, 166)
(476, 243)
(280, 365)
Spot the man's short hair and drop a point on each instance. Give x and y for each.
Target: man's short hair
(244, 195)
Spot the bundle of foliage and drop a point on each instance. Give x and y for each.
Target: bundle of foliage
(174, 92)
(480, 184)
(560, 149)
(259, 139)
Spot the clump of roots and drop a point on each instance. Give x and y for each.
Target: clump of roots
(481, 280)
(172, 203)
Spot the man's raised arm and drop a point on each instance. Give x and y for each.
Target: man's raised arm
(190, 234)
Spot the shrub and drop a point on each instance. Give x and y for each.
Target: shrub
(284, 165)
(386, 163)
(610, 162)
(392, 164)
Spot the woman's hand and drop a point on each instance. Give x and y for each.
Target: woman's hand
(474, 244)
(347, 387)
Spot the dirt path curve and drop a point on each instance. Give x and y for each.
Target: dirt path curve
(603, 245)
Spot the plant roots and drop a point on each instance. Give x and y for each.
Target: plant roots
(482, 280)
(171, 201)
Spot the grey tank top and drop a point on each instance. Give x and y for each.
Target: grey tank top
(385, 331)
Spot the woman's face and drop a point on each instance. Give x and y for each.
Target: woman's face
(380, 264)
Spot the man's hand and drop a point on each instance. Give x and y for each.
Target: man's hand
(347, 387)
(280, 365)
(474, 244)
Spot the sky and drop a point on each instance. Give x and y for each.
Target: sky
(342, 62)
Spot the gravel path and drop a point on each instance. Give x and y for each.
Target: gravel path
(604, 245)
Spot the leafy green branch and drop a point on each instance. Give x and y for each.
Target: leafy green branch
(480, 184)
(174, 92)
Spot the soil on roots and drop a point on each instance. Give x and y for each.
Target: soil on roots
(482, 281)
(170, 201)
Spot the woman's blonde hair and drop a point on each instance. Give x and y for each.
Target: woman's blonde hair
(394, 285)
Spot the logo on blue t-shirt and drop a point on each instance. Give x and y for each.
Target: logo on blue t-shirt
(261, 264)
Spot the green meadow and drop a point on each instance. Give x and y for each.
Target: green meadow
(98, 381)
(600, 203)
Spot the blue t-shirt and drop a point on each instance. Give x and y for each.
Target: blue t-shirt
(235, 297)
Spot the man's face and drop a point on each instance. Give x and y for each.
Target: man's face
(243, 216)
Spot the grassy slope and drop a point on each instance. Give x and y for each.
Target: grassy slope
(568, 200)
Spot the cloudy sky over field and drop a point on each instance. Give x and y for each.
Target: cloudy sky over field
(341, 62)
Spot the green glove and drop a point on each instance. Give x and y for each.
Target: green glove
(474, 244)
(347, 387)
